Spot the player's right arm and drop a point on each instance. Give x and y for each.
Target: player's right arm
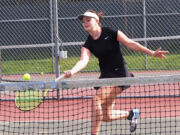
(82, 63)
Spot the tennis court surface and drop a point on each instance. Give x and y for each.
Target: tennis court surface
(67, 108)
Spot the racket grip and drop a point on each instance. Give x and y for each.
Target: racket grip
(60, 78)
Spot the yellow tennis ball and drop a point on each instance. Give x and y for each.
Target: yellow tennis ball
(42, 73)
(27, 76)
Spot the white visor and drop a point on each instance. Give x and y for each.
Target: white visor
(88, 14)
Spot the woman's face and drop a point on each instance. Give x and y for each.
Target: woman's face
(89, 23)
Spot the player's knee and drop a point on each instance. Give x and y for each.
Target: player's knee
(97, 106)
(96, 101)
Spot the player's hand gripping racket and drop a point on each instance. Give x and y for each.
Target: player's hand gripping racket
(60, 78)
(27, 100)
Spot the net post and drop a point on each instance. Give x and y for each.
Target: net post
(58, 94)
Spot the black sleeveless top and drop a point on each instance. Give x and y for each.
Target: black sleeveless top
(107, 49)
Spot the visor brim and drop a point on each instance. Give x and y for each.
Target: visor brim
(88, 14)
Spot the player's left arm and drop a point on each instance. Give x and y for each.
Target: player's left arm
(129, 43)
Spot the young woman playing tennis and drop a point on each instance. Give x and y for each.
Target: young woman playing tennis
(103, 42)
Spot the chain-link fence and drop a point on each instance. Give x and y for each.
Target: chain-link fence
(32, 30)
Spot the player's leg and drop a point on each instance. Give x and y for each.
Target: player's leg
(108, 100)
(97, 116)
(103, 103)
(109, 114)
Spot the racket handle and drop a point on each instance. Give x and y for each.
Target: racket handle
(60, 78)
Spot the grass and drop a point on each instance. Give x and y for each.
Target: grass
(171, 62)
(134, 62)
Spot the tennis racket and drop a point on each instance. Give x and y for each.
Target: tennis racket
(30, 99)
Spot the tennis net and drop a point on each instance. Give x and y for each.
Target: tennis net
(67, 108)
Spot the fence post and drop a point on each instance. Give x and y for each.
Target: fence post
(56, 35)
(52, 33)
(0, 67)
(145, 34)
(56, 41)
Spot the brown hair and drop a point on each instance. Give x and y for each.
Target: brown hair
(99, 14)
